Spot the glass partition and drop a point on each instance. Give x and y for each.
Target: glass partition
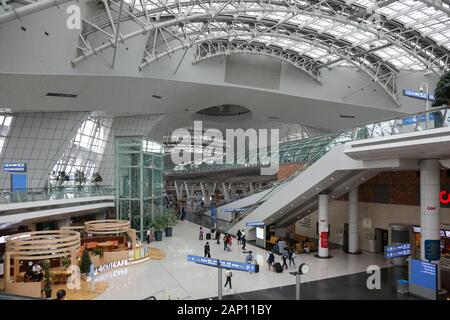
(139, 181)
(432, 119)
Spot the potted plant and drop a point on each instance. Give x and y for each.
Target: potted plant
(96, 179)
(66, 262)
(442, 92)
(158, 223)
(47, 279)
(80, 178)
(85, 263)
(170, 220)
(61, 178)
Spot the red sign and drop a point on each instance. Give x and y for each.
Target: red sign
(445, 197)
(324, 239)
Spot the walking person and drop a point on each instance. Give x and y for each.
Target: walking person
(291, 257)
(238, 236)
(243, 241)
(270, 260)
(207, 250)
(200, 236)
(285, 257)
(218, 236)
(225, 242)
(183, 213)
(229, 242)
(148, 235)
(228, 275)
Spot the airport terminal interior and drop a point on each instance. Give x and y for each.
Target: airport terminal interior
(225, 150)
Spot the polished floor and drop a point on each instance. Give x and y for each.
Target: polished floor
(348, 287)
(176, 278)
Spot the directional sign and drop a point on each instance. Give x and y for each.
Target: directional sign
(202, 260)
(398, 250)
(417, 94)
(14, 167)
(223, 263)
(238, 266)
(255, 224)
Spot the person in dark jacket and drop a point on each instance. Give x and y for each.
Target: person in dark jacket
(207, 250)
(218, 236)
(243, 241)
(238, 236)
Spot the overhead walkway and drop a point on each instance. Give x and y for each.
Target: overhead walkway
(350, 159)
(33, 205)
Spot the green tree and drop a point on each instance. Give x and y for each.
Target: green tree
(85, 263)
(47, 277)
(442, 92)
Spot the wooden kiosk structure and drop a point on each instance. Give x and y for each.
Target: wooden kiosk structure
(111, 227)
(36, 246)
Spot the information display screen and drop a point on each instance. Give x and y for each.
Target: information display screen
(260, 233)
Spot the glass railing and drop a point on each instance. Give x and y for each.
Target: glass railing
(427, 120)
(54, 193)
(338, 139)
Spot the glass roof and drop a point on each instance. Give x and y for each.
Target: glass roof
(403, 34)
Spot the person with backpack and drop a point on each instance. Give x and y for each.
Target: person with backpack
(285, 257)
(200, 236)
(228, 275)
(270, 259)
(238, 236)
(207, 250)
(291, 257)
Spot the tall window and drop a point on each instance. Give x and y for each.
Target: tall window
(5, 125)
(86, 149)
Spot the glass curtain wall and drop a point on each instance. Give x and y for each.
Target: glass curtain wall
(139, 181)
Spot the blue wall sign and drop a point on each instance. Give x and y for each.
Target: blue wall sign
(413, 119)
(398, 250)
(423, 274)
(15, 167)
(417, 94)
(432, 250)
(255, 224)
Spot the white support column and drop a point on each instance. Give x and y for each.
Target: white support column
(186, 187)
(323, 226)
(205, 194)
(353, 221)
(178, 190)
(225, 191)
(66, 222)
(430, 206)
(232, 190)
(252, 187)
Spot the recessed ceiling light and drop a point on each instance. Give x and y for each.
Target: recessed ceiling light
(281, 211)
(317, 188)
(332, 178)
(292, 205)
(346, 188)
(363, 178)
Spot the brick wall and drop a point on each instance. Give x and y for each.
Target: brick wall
(286, 169)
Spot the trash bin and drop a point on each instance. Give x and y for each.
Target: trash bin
(402, 286)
